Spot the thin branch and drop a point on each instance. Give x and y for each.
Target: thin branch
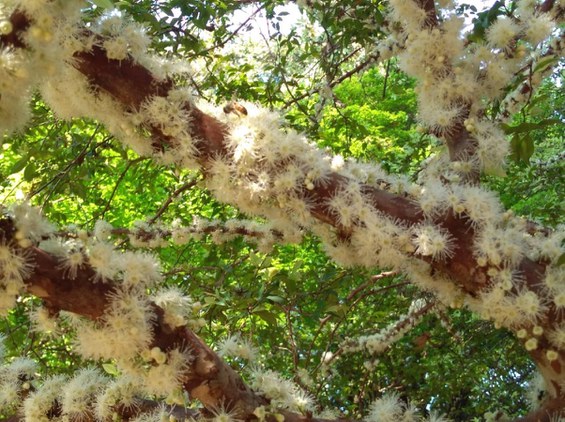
(372, 281)
(75, 162)
(236, 31)
(361, 66)
(386, 78)
(293, 348)
(117, 184)
(186, 186)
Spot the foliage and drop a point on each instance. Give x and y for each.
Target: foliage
(534, 183)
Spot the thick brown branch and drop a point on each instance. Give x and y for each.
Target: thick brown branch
(122, 78)
(552, 410)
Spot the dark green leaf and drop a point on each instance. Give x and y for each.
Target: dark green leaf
(19, 165)
(269, 317)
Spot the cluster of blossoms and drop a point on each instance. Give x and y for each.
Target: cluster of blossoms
(282, 393)
(48, 38)
(380, 341)
(15, 263)
(89, 393)
(389, 408)
(15, 380)
(456, 81)
(235, 346)
(265, 235)
(14, 267)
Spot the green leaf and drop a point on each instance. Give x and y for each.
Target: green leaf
(529, 126)
(522, 147)
(103, 4)
(276, 299)
(290, 282)
(545, 63)
(271, 272)
(29, 172)
(338, 310)
(78, 189)
(19, 165)
(267, 316)
(527, 148)
(561, 260)
(111, 369)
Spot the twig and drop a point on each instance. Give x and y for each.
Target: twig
(118, 182)
(186, 186)
(77, 161)
(372, 281)
(234, 33)
(335, 82)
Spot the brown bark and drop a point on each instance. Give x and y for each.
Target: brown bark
(552, 410)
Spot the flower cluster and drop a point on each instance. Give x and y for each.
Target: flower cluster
(265, 235)
(378, 342)
(125, 331)
(14, 267)
(457, 81)
(39, 403)
(89, 395)
(235, 346)
(15, 381)
(52, 34)
(390, 408)
(282, 393)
